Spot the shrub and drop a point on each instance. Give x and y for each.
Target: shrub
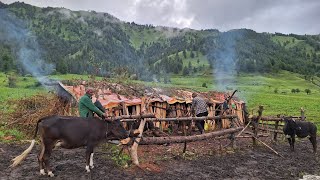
(308, 91)
(12, 81)
(276, 90)
(204, 85)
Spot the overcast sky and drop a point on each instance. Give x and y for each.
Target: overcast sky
(285, 16)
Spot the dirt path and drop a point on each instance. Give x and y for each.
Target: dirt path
(204, 160)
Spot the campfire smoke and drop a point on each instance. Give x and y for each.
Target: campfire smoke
(14, 32)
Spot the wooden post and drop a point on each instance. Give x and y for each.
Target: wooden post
(255, 123)
(232, 136)
(255, 132)
(275, 132)
(134, 147)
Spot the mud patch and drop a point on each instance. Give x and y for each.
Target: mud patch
(204, 160)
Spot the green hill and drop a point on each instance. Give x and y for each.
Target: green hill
(83, 42)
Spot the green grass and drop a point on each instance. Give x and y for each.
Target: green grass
(200, 61)
(282, 39)
(259, 90)
(25, 87)
(293, 42)
(73, 77)
(138, 36)
(255, 89)
(12, 134)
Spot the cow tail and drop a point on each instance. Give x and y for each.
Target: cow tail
(17, 160)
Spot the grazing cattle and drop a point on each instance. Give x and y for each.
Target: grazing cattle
(302, 129)
(72, 132)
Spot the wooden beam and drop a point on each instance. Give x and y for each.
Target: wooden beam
(132, 118)
(182, 139)
(271, 130)
(259, 135)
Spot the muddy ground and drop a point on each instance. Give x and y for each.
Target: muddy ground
(203, 160)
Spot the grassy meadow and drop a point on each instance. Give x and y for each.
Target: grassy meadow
(274, 92)
(24, 87)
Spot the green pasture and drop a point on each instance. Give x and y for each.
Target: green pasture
(260, 90)
(73, 77)
(25, 87)
(274, 92)
(290, 42)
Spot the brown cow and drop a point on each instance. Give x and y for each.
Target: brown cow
(71, 132)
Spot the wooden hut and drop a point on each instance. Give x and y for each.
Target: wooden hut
(176, 103)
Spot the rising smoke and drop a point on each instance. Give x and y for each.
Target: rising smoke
(14, 32)
(223, 59)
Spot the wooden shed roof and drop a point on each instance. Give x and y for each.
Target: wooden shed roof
(109, 98)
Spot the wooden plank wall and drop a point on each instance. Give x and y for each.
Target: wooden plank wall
(164, 110)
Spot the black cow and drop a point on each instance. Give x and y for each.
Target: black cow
(302, 129)
(71, 132)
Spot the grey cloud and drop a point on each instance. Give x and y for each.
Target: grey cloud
(286, 16)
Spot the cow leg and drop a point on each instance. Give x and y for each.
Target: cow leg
(91, 161)
(89, 155)
(40, 158)
(313, 141)
(49, 144)
(292, 142)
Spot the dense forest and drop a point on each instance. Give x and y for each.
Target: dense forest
(84, 42)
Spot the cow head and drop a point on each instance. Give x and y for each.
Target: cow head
(290, 126)
(115, 130)
(290, 122)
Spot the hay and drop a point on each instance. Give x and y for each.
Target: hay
(27, 111)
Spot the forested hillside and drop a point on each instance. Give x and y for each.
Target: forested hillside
(97, 43)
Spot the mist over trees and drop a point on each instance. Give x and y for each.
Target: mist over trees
(97, 43)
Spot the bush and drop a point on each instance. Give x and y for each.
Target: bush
(204, 85)
(276, 90)
(12, 81)
(308, 91)
(293, 90)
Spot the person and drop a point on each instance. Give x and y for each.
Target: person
(225, 105)
(87, 108)
(199, 109)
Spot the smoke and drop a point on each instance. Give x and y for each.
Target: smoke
(223, 58)
(14, 32)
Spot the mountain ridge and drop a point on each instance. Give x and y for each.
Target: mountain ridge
(86, 42)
